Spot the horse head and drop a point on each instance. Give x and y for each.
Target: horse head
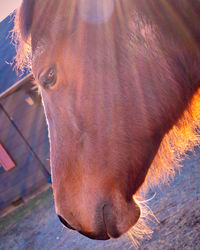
(111, 88)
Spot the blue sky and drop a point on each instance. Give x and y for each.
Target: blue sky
(7, 6)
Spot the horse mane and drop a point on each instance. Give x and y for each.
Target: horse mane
(22, 45)
(182, 137)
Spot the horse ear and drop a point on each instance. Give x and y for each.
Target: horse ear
(26, 12)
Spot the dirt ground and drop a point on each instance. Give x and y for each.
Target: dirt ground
(176, 206)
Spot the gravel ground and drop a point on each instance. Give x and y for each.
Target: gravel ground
(176, 206)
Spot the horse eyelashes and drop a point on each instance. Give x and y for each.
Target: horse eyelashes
(49, 78)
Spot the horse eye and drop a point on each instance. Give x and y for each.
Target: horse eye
(49, 78)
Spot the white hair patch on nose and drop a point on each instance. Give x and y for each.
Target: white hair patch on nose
(96, 11)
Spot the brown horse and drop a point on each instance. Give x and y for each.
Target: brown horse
(120, 87)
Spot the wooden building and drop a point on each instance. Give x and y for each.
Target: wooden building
(24, 146)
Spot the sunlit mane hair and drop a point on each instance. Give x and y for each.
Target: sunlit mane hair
(23, 47)
(183, 137)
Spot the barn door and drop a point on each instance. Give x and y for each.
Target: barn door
(18, 139)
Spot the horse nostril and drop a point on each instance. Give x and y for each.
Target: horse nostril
(63, 221)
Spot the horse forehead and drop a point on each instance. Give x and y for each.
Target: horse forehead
(66, 20)
(95, 11)
(89, 11)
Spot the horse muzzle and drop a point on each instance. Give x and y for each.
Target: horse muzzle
(110, 222)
